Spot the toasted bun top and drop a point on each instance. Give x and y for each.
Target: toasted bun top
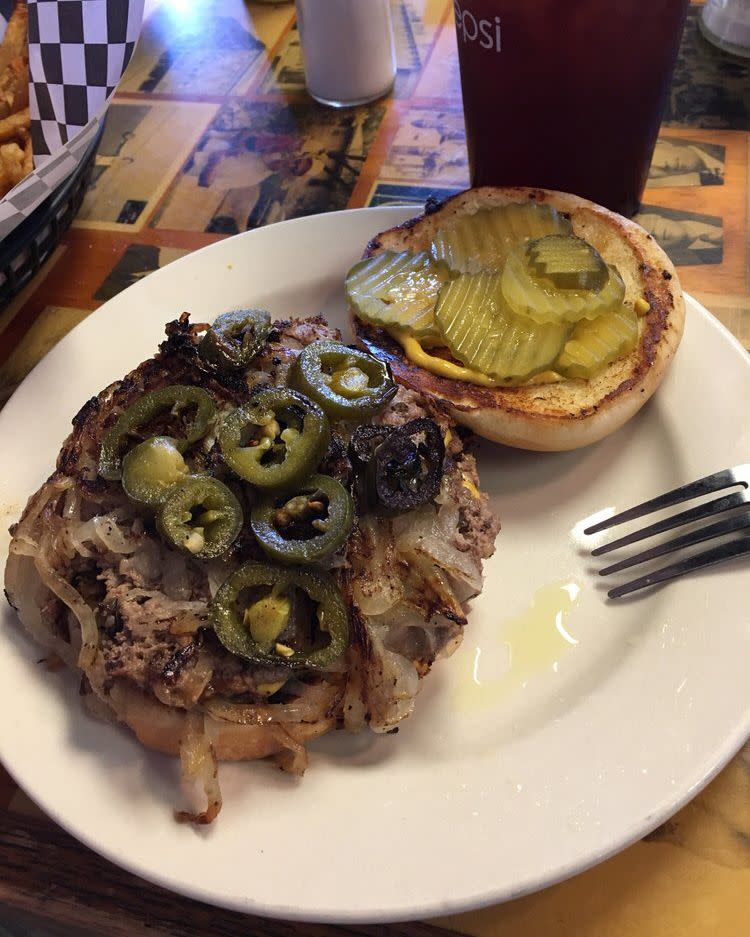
(569, 413)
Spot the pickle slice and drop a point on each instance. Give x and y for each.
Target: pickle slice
(483, 332)
(594, 343)
(538, 298)
(483, 241)
(398, 289)
(567, 261)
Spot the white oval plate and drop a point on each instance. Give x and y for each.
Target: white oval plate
(529, 758)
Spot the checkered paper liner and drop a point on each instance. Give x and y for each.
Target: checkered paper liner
(78, 51)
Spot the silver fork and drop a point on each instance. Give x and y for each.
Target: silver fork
(719, 481)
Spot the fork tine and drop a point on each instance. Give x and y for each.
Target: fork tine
(703, 486)
(711, 557)
(727, 526)
(676, 520)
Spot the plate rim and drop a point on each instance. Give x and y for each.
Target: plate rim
(736, 739)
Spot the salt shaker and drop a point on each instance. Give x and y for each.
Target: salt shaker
(726, 23)
(348, 50)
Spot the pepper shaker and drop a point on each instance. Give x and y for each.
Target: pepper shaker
(348, 50)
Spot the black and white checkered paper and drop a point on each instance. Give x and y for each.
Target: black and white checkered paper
(78, 51)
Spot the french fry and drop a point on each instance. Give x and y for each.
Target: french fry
(11, 157)
(28, 157)
(15, 42)
(16, 156)
(15, 125)
(6, 182)
(14, 87)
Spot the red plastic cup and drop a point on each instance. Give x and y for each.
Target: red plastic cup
(566, 95)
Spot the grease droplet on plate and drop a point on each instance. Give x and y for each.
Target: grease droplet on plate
(532, 643)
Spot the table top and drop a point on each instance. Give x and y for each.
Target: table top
(211, 133)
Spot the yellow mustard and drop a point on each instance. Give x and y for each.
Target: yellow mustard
(456, 372)
(470, 486)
